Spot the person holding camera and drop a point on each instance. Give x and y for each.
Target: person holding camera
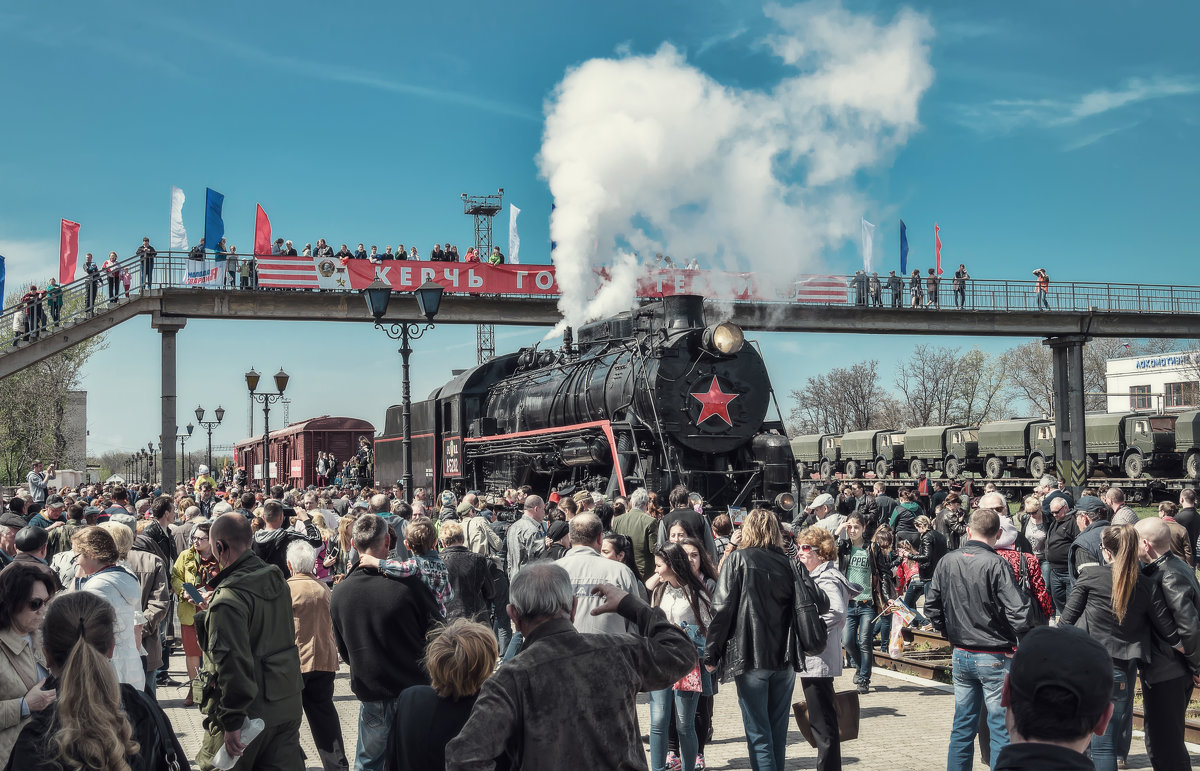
(38, 481)
(1042, 288)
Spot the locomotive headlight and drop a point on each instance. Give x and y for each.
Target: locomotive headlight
(725, 338)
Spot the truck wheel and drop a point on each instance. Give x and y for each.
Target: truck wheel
(1036, 466)
(1192, 465)
(953, 467)
(916, 467)
(880, 469)
(1090, 466)
(852, 469)
(994, 467)
(826, 470)
(1134, 464)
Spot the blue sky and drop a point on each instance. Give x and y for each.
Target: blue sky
(1046, 136)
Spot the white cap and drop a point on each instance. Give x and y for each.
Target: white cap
(824, 499)
(203, 469)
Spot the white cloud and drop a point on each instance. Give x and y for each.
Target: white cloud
(1005, 115)
(647, 153)
(28, 261)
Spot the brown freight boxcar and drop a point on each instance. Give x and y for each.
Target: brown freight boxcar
(294, 449)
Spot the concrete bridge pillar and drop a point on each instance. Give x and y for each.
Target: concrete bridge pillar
(1070, 446)
(168, 327)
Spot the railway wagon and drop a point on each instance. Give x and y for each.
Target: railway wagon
(1020, 444)
(294, 449)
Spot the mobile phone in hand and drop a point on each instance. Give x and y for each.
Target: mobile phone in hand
(191, 591)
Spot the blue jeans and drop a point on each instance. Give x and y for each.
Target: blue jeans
(514, 645)
(978, 681)
(374, 724)
(883, 630)
(857, 637)
(765, 696)
(683, 705)
(914, 592)
(1106, 748)
(1059, 586)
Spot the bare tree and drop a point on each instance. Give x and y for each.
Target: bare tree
(841, 400)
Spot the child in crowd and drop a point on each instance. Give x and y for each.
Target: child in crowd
(421, 540)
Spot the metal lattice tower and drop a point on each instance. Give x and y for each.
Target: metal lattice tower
(483, 208)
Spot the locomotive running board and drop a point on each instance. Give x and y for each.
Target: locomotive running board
(604, 425)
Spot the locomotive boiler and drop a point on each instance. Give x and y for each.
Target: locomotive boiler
(650, 397)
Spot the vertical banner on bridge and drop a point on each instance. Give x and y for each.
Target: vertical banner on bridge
(68, 251)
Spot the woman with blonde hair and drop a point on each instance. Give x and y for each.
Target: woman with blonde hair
(1116, 604)
(746, 641)
(97, 556)
(326, 555)
(460, 657)
(96, 723)
(818, 552)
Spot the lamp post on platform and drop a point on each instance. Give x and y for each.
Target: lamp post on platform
(210, 425)
(429, 299)
(265, 398)
(182, 457)
(150, 449)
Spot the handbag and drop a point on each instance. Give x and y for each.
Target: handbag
(690, 682)
(845, 706)
(1037, 616)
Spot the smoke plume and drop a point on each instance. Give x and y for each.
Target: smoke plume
(646, 154)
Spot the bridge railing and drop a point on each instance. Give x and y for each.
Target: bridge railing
(18, 324)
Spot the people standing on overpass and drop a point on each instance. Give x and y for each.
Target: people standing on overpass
(344, 253)
(895, 285)
(916, 289)
(146, 253)
(1042, 288)
(960, 286)
(92, 273)
(324, 250)
(876, 291)
(360, 253)
(496, 257)
(931, 285)
(436, 254)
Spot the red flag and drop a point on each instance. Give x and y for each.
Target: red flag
(68, 251)
(938, 241)
(262, 232)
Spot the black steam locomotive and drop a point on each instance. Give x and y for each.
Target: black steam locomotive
(650, 397)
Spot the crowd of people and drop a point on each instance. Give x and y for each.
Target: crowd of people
(479, 630)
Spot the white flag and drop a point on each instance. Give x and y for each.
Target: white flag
(868, 235)
(514, 240)
(179, 239)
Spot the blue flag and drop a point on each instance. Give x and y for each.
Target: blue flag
(903, 249)
(1, 279)
(214, 226)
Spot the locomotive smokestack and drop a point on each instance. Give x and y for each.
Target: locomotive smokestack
(683, 311)
(568, 342)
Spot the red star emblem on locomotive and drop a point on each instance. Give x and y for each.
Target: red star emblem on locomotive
(715, 402)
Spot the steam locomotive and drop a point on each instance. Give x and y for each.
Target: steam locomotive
(650, 397)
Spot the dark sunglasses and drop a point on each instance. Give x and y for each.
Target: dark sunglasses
(36, 604)
(805, 546)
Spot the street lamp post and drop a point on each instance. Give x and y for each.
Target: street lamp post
(143, 456)
(210, 425)
(182, 456)
(265, 398)
(429, 299)
(150, 449)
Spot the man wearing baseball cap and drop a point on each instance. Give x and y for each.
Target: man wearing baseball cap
(1058, 694)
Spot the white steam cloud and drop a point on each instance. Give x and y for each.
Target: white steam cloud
(648, 154)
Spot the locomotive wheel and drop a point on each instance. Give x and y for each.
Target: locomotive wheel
(880, 469)
(1192, 465)
(916, 467)
(1036, 466)
(953, 467)
(1134, 464)
(826, 469)
(852, 469)
(994, 467)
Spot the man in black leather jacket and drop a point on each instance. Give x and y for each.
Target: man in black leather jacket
(1168, 678)
(975, 602)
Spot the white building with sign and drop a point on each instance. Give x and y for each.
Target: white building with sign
(1162, 383)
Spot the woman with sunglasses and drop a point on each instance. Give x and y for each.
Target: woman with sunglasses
(24, 592)
(196, 566)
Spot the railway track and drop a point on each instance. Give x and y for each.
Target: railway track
(933, 663)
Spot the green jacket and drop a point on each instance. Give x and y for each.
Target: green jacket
(251, 663)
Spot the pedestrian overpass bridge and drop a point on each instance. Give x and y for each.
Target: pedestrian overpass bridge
(1079, 311)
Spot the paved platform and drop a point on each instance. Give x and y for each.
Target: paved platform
(905, 725)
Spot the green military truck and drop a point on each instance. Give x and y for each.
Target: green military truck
(817, 452)
(953, 449)
(1018, 444)
(1187, 442)
(876, 449)
(1130, 443)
